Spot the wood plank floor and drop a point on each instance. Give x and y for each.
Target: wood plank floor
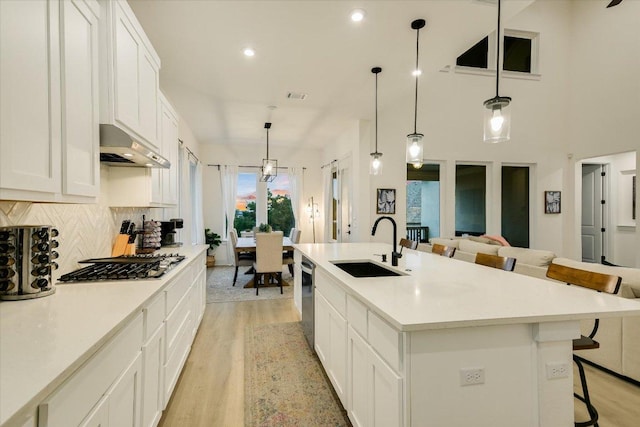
(210, 391)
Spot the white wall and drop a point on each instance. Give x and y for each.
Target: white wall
(252, 155)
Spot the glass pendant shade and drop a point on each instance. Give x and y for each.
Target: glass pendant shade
(269, 170)
(497, 119)
(375, 167)
(415, 148)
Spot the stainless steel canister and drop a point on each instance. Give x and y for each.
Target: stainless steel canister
(27, 257)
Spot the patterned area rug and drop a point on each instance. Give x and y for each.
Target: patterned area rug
(220, 289)
(284, 382)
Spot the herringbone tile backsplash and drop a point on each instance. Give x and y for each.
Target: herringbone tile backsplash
(86, 231)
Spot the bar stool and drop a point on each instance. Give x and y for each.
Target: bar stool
(496, 261)
(601, 283)
(443, 250)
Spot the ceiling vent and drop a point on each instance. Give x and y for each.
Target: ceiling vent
(296, 95)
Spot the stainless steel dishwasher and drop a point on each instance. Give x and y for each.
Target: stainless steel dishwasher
(308, 268)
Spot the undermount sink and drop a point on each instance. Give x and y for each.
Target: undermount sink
(365, 269)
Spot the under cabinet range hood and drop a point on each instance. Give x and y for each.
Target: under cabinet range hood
(118, 148)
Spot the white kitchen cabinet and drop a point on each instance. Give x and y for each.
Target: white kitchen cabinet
(99, 416)
(374, 389)
(164, 187)
(125, 397)
(152, 378)
(129, 74)
(331, 343)
(49, 100)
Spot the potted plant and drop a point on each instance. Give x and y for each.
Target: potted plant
(213, 240)
(265, 228)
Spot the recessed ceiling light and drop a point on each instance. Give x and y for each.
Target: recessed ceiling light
(148, 164)
(128, 155)
(248, 52)
(357, 15)
(416, 73)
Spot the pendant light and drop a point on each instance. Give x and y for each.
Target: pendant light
(497, 120)
(269, 166)
(414, 140)
(376, 158)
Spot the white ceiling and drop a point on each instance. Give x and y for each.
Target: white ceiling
(306, 46)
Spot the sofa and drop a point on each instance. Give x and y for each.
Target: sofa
(619, 337)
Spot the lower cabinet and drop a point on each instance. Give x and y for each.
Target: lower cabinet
(129, 381)
(331, 343)
(153, 375)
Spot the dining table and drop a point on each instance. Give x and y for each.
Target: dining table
(248, 244)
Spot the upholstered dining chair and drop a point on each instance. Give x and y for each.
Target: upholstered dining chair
(601, 283)
(240, 258)
(443, 250)
(287, 259)
(268, 258)
(495, 261)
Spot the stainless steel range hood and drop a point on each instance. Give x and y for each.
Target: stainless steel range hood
(118, 148)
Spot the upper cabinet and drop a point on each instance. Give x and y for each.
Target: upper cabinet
(129, 79)
(49, 135)
(167, 190)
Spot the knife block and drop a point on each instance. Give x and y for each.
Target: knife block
(120, 245)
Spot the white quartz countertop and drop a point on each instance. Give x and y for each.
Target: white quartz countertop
(439, 292)
(43, 340)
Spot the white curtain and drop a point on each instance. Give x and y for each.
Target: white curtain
(198, 207)
(295, 185)
(229, 182)
(327, 198)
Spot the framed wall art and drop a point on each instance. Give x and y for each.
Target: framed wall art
(386, 201)
(552, 202)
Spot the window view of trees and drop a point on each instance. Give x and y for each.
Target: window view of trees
(279, 211)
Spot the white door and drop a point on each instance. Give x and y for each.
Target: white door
(592, 212)
(344, 203)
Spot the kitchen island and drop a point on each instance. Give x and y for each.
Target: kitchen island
(448, 343)
(95, 351)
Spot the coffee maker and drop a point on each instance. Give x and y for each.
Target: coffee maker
(168, 232)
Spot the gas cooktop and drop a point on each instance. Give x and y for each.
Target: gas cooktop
(132, 267)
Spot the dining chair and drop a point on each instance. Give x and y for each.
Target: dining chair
(443, 250)
(601, 283)
(496, 261)
(268, 258)
(287, 258)
(240, 258)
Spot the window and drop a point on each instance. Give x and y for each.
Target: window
(471, 193)
(423, 202)
(477, 56)
(520, 52)
(245, 218)
(252, 197)
(515, 205)
(279, 211)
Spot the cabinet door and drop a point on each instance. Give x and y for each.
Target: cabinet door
(386, 394)
(126, 57)
(338, 353)
(152, 378)
(358, 385)
(30, 96)
(148, 97)
(125, 396)
(322, 327)
(80, 132)
(99, 416)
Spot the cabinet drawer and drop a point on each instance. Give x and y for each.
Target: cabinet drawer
(175, 323)
(153, 315)
(386, 340)
(331, 291)
(357, 315)
(176, 290)
(71, 402)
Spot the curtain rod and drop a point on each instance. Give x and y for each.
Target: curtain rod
(189, 152)
(252, 167)
(328, 164)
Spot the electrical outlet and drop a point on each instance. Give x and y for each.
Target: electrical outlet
(471, 376)
(557, 370)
